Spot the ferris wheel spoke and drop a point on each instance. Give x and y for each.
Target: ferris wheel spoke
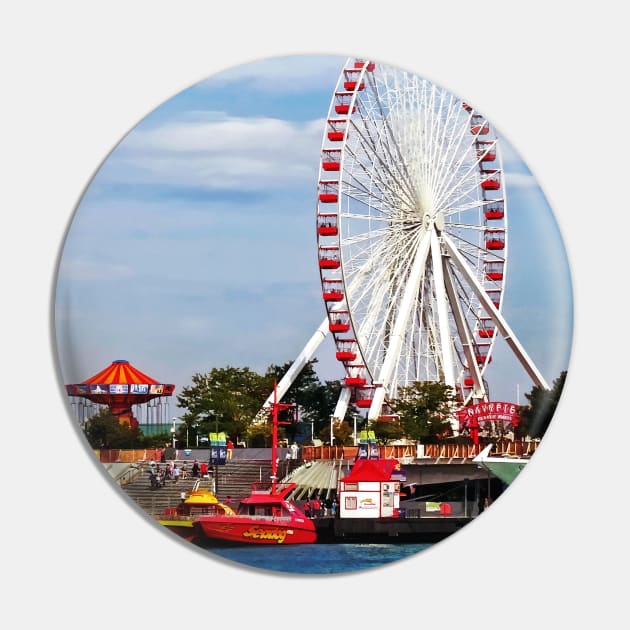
(364, 162)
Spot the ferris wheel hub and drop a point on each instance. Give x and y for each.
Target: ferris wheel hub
(436, 219)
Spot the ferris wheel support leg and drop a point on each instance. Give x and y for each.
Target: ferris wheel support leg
(298, 365)
(441, 299)
(497, 318)
(396, 338)
(377, 404)
(342, 403)
(464, 333)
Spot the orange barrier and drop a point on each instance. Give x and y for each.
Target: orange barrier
(327, 452)
(350, 452)
(128, 456)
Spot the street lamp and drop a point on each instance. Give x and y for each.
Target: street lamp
(175, 421)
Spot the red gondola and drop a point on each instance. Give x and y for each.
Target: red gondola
(369, 66)
(479, 126)
(495, 297)
(355, 376)
(494, 212)
(336, 129)
(364, 397)
(495, 239)
(328, 191)
(494, 269)
(329, 258)
(339, 321)
(327, 224)
(346, 350)
(486, 151)
(333, 290)
(351, 83)
(331, 159)
(481, 353)
(342, 102)
(486, 328)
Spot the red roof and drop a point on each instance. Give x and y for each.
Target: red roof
(120, 384)
(372, 470)
(120, 371)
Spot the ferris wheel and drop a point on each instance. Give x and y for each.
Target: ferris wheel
(412, 238)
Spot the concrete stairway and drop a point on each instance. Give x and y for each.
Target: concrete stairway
(235, 479)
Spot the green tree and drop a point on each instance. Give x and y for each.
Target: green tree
(104, 431)
(225, 399)
(386, 432)
(342, 433)
(536, 416)
(424, 409)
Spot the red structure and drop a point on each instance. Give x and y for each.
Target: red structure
(119, 387)
(474, 417)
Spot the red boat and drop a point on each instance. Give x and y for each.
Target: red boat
(266, 516)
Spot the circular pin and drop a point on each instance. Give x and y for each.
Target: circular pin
(313, 315)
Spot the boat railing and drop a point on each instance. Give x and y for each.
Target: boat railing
(265, 487)
(267, 518)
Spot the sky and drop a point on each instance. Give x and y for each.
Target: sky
(193, 247)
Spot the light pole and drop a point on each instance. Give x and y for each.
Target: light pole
(174, 422)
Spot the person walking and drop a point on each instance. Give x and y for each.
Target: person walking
(316, 506)
(230, 448)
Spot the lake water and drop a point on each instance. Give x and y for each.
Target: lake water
(318, 558)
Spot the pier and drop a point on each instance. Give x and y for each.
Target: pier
(431, 482)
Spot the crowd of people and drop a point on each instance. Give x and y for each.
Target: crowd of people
(319, 507)
(161, 473)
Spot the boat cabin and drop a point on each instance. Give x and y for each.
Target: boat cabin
(371, 489)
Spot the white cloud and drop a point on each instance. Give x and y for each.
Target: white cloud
(219, 153)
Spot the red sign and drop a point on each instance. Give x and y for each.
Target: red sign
(505, 412)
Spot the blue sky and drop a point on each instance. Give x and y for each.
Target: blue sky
(194, 245)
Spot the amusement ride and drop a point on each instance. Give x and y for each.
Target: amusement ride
(412, 241)
(120, 387)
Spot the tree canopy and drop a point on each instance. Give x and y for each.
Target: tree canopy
(229, 399)
(425, 409)
(105, 431)
(224, 399)
(536, 416)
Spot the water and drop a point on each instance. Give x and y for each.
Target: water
(319, 558)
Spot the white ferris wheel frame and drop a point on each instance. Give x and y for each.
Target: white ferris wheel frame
(376, 172)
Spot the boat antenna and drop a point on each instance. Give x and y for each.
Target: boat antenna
(274, 438)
